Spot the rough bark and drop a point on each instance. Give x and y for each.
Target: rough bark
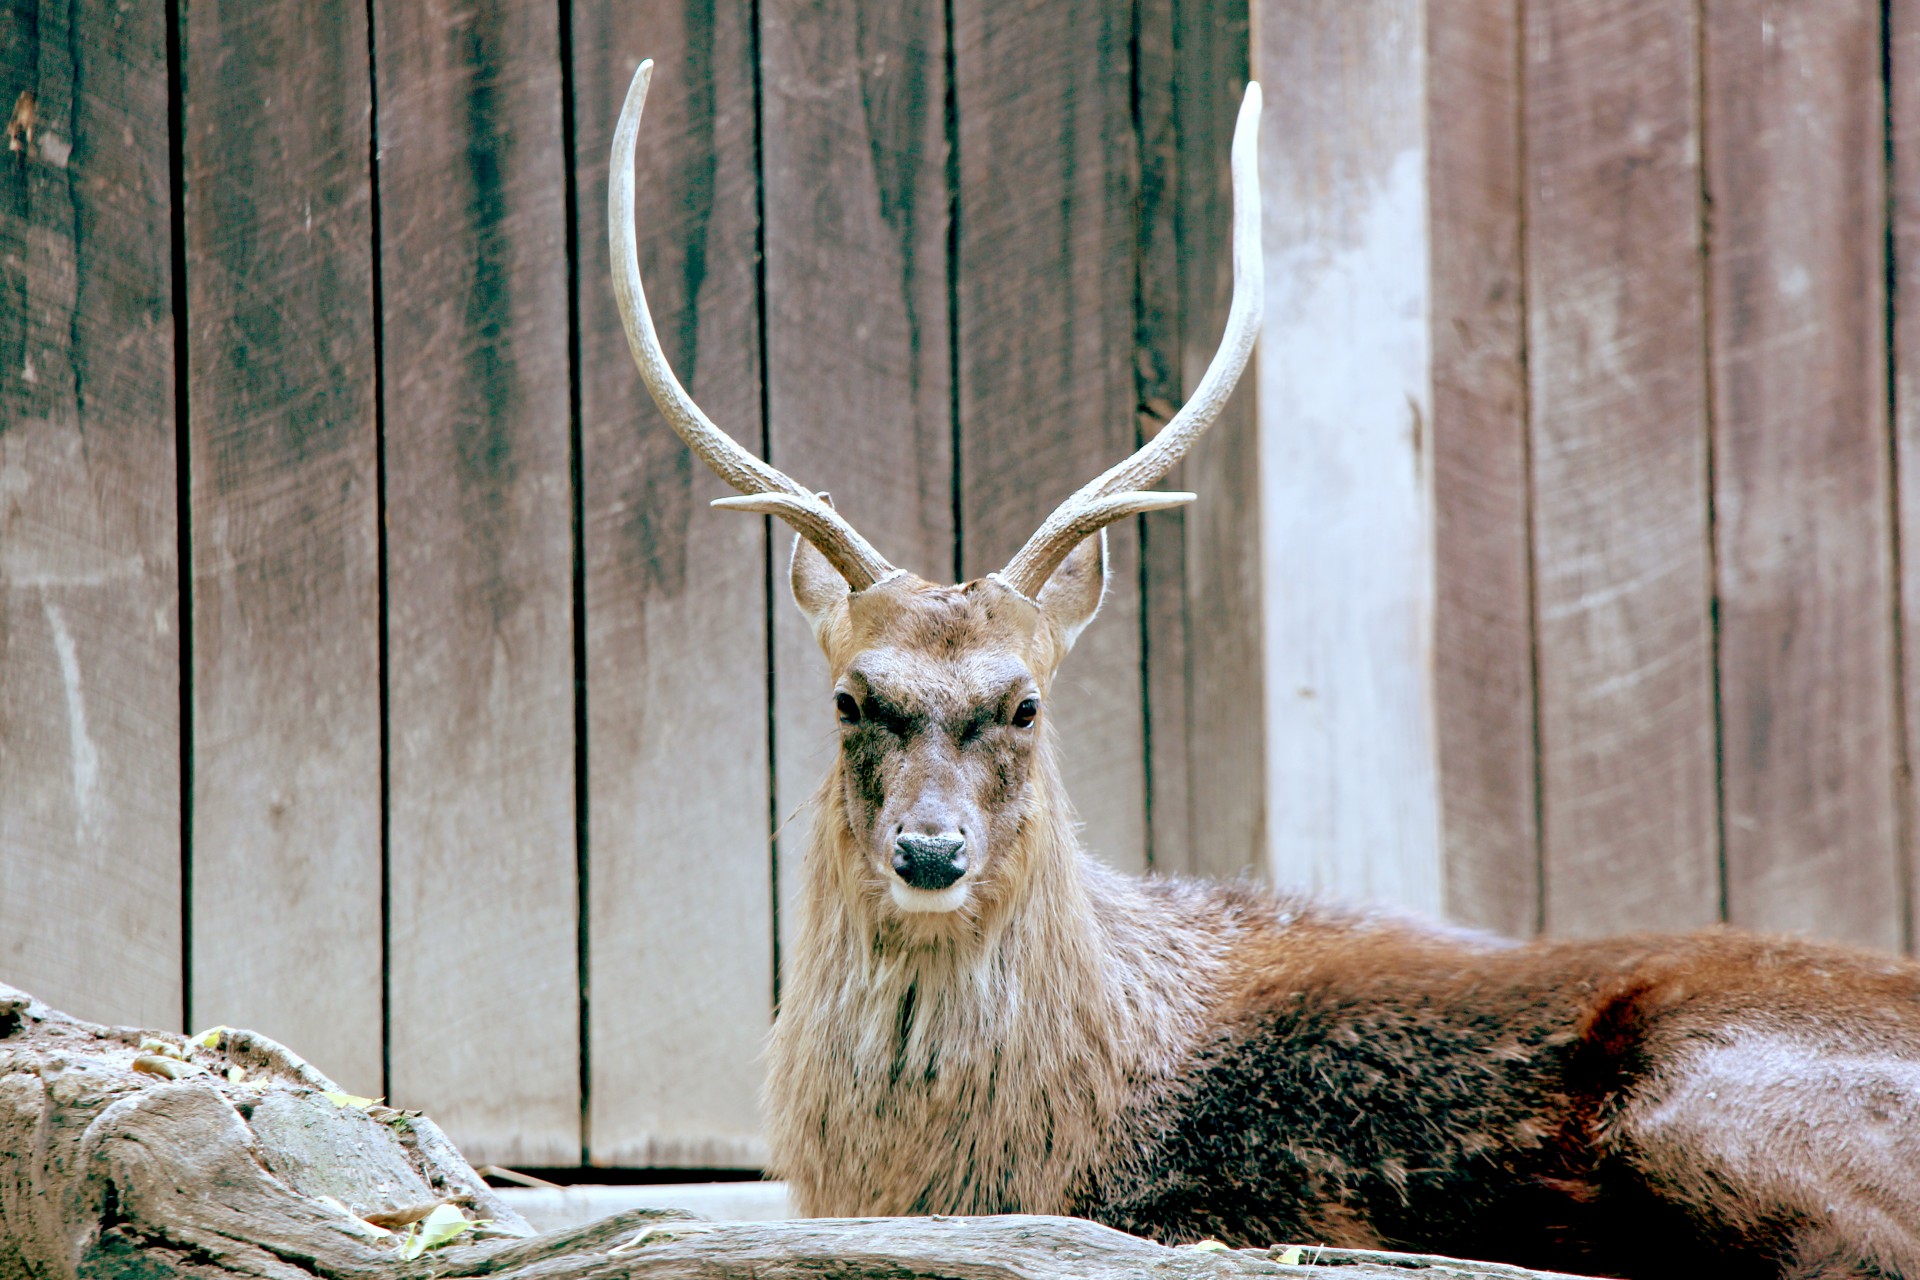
(141, 1154)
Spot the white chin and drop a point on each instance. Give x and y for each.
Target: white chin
(928, 901)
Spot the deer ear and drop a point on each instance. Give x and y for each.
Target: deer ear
(817, 585)
(1073, 594)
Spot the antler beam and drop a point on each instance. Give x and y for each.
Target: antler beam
(768, 490)
(1119, 492)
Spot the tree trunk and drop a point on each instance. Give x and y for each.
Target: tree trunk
(139, 1154)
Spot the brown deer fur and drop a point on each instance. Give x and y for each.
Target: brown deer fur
(979, 1018)
(1186, 1060)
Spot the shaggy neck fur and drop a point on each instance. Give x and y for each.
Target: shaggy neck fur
(981, 1064)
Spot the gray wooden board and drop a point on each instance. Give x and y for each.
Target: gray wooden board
(1157, 367)
(286, 702)
(1619, 446)
(1345, 500)
(1225, 738)
(1483, 616)
(858, 393)
(1903, 66)
(1795, 162)
(89, 568)
(480, 565)
(1048, 173)
(680, 928)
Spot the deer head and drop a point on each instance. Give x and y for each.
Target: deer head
(941, 691)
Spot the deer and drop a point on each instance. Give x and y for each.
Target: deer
(978, 1017)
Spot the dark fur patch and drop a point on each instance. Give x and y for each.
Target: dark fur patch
(1389, 1103)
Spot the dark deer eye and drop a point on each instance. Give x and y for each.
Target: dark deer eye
(849, 709)
(1026, 713)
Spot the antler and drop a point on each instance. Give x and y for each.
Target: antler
(1117, 494)
(768, 491)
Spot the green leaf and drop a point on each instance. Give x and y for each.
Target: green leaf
(210, 1038)
(443, 1225)
(348, 1099)
(1290, 1257)
(1208, 1246)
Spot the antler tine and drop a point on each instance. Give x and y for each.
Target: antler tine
(1114, 494)
(768, 490)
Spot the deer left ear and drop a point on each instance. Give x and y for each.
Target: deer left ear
(1073, 594)
(817, 585)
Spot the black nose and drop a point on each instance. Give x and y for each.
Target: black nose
(930, 862)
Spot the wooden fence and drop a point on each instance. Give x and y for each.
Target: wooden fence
(373, 673)
(1675, 433)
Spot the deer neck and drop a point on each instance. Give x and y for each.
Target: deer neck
(929, 1059)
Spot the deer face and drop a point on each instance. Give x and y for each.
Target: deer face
(941, 693)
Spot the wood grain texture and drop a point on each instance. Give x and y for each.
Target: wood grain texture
(1483, 608)
(90, 894)
(1345, 507)
(680, 878)
(1158, 325)
(1903, 100)
(1225, 736)
(286, 669)
(481, 856)
(1619, 443)
(1048, 174)
(1795, 158)
(858, 387)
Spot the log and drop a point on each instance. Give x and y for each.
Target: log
(148, 1154)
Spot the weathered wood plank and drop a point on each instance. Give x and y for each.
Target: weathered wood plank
(1903, 101)
(1795, 153)
(481, 857)
(90, 893)
(1343, 382)
(1048, 173)
(1158, 326)
(1617, 386)
(1483, 608)
(286, 771)
(680, 913)
(858, 392)
(1220, 535)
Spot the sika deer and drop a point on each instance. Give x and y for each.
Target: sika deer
(979, 1018)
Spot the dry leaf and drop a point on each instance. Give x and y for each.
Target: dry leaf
(20, 127)
(394, 1219)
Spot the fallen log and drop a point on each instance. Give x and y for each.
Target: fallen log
(146, 1154)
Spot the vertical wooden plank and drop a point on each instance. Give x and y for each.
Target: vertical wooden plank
(1343, 382)
(1158, 330)
(480, 568)
(286, 669)
(89, 616)
(1619, 410)
(858, 393)
(1225, 733)
(1483, 611)
(1902, 86)
(676, 609)
(1795, 156)
(1048, 174)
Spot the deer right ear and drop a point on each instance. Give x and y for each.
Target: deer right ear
(817, 585)
(1074, 591)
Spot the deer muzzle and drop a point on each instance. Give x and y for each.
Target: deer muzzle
(929, 862)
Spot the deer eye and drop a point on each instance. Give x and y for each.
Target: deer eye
(1026, 713)
(849, 709)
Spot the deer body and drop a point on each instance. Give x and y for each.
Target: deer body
(1191, 1061)
(978, 1018)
